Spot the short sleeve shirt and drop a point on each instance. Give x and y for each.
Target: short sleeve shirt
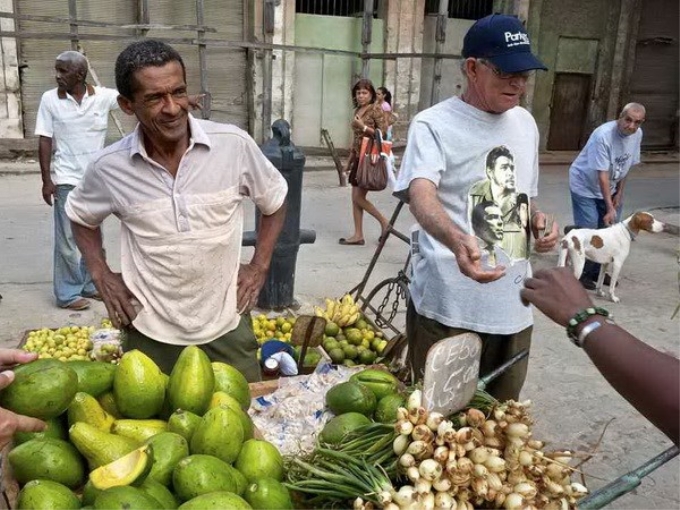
(181, 237)
(78, 131)
(607, 150)
(448, 144)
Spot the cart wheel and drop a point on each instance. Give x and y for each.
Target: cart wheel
(386, 305)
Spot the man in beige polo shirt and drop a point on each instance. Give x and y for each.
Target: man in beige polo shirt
(177, 185)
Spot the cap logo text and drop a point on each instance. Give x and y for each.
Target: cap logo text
(516, 39)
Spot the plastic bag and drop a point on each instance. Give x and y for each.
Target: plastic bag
(106, 345)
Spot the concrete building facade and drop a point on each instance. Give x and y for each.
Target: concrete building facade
(300, 66)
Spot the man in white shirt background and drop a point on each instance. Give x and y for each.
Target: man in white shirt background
(71, 125)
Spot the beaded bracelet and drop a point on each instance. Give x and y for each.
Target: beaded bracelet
(581, 317)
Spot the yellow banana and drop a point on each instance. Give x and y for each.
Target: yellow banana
(347, 300)
(319, 312)
(343, 321)
(353, 319)
(330, 306)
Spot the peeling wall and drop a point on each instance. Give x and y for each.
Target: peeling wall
(11, 124)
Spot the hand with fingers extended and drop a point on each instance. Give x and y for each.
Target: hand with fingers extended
(10, 422)
(543, 241)
(117, 298)
(469, 258)
(556, 293)
(250, 281)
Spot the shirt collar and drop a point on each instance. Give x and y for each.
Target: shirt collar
(197, 135)
(89, 91)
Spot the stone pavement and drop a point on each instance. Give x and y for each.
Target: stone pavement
(573, 404)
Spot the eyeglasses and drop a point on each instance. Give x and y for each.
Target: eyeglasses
(502, 74)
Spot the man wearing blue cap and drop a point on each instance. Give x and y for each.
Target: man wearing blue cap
(444, 167)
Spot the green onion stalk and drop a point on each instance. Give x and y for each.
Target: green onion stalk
(330, 478)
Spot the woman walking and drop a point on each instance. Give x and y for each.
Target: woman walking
(384, 98)
(368, 116)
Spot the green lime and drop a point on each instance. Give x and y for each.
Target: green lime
(350, 351)
(337, 356)
(332, 329)
(330, 344)
(367, 357)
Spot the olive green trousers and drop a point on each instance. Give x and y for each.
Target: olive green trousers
(422, 333)
(237, 348)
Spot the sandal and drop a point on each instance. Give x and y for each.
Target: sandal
(345, 242)
(78, 304)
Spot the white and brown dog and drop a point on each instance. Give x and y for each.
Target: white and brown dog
(608, 246)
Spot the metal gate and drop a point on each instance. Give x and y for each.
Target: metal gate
(102, 33)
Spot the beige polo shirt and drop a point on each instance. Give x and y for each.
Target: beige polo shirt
(181, 237)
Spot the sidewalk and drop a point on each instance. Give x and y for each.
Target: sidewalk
(313, 163)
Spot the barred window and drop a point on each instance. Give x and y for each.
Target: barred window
(463, 9)
(349, 8)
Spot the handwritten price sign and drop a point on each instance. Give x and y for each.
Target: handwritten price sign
(451, 373)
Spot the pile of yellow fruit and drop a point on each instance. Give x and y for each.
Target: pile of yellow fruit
(65, 343)
(278, 328)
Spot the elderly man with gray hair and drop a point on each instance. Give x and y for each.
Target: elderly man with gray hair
(597, 176)
(71, 126)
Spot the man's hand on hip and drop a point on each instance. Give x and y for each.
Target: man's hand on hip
(469, 259)
(250, 281)
(117, 298)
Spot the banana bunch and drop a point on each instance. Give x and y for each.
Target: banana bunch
(343, 312)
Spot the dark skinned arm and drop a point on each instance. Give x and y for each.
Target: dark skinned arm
(115, 294)
(431, 215)
(251, 276)
(648, 379)
(45, 158)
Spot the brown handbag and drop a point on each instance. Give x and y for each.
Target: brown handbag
(372, 169)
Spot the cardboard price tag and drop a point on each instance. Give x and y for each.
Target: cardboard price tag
(451, 373)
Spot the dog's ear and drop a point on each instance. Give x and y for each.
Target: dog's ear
(568, 229)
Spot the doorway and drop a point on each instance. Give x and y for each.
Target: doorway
(571, 95)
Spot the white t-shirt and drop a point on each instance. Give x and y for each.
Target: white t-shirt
(607, 150)
(180, 237)
(78, 131)
(448, 144)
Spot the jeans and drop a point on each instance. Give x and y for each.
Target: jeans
(589, 213)
(71, 278)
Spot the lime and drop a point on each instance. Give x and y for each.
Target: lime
(337, 356)
(343, 343)
(361, 324)
(367, 357)
(349, 363)
(332, 329)
(354, 336)
(330, 344)
(350, 351)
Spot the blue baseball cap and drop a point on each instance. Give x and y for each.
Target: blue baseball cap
(503, 41)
